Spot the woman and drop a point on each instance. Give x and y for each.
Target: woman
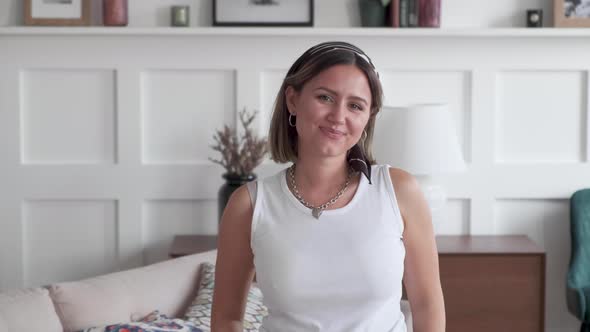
(331, 236)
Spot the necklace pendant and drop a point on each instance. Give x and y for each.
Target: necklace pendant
(316, 212)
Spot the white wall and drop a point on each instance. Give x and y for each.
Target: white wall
(110, 192)
(328, 13)
(105, 136)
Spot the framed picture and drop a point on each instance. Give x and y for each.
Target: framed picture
(263, 12)
(57, 12)
(571, 13)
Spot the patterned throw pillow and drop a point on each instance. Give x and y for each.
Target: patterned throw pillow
(199, 312)
(154, 322)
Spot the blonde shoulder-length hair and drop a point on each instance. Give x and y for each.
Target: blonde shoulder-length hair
(283, 137)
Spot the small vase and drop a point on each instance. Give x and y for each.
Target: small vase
(372, 13)
(429, 13)
(115, 12)
(232, 182)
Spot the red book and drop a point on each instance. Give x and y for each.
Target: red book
(394, 13)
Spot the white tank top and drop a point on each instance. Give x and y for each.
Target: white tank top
(341, 272)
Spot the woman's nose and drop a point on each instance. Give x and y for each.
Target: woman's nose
(338, 113)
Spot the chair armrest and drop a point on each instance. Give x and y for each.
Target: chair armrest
(577, 302)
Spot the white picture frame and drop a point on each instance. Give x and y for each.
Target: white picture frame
(57, 12)
(263, 12)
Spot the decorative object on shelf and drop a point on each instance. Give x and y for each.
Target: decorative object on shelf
(393, 16)
(421, 139)
(534, 18)
(429, 13)
(180, 16)
(407, 13)
(571, 13)
(239, 156)
(57, 12)
(263, 13)
(373, 12)
(115, 12)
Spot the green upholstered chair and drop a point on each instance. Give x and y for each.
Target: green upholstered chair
(578, 275)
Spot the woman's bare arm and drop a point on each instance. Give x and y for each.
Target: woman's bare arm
(234, 269)
(421, 272)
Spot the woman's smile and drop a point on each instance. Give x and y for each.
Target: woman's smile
(332, 133)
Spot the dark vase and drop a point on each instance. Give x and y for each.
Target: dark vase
(115, 12)
(372, 13)
(232, 182)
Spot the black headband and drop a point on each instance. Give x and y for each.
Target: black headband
(326, 47)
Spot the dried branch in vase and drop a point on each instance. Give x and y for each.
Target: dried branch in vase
(239, 156)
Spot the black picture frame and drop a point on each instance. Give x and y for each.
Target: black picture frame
(227, 12)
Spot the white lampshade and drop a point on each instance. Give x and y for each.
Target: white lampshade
(420, 139)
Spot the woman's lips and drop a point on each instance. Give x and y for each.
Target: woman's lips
(332, 133)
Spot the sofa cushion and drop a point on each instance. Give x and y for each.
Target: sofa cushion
(124, 296)
(18, 307)
(154, 322)
(199, 311)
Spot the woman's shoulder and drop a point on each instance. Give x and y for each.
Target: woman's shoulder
(404, 183)
(239, 201)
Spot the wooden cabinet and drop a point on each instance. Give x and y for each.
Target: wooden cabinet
(183, 245)
(492, 283)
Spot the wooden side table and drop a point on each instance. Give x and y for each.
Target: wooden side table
(492, 283)
(183, 245)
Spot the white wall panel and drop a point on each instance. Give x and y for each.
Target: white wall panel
(66, 240)
(454, 219)
(181, 110)
(162, 219)
(403, 87)
(270, 82)
(163, 92)
(540, 116)
(68, 116)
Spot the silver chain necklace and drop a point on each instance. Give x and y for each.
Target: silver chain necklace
(316, 211)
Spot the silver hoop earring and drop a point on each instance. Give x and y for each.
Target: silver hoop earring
(290, 116)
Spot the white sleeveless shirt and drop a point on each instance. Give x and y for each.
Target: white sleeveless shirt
(341, 272)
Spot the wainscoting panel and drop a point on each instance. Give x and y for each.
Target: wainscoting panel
(270, 82)
(67, 116)
(162, 219)
(540, 116)
(179, 109)
(66, 240)
(455, 219)
(403, 87)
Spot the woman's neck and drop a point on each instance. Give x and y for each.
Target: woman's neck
(320, 177)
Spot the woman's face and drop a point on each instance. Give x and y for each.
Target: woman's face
(332, 111)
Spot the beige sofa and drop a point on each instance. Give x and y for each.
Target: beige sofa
(118, 297)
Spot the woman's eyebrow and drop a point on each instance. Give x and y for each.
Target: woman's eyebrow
(336, 93)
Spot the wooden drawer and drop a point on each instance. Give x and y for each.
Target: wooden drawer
(493, 291)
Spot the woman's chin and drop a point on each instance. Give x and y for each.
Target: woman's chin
(332, 151)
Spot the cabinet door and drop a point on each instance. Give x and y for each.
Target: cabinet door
(493, 292)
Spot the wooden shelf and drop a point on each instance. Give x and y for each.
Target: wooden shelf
(282, 31)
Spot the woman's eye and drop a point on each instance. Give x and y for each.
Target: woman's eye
(356, 107)
(325, 98)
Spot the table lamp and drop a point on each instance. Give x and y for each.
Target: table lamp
(421, 140)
